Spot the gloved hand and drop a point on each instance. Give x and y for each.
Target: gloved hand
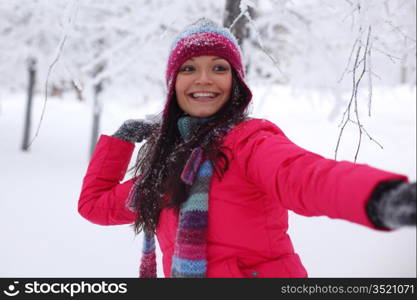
(393, 205)
(135, 130)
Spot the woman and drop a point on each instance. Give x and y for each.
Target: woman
(215, 186)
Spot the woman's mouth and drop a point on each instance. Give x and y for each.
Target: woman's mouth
(203, 96)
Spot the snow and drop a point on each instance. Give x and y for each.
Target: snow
(44, 236)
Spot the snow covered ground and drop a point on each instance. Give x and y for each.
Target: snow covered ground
(43, 235)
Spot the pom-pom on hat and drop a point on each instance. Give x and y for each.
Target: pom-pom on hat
(204, 37)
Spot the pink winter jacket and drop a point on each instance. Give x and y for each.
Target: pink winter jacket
(248, 209)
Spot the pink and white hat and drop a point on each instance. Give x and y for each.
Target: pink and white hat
(204, 37)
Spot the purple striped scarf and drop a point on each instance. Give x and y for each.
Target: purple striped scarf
(190, 258)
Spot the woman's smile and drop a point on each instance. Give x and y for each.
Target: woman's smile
(203, 96)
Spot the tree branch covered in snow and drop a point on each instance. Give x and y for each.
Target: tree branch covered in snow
(72, 11)
(311, 44)
(308, 41)
(360, 67)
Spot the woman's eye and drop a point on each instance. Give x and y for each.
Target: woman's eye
(220, 68)
(187, 69)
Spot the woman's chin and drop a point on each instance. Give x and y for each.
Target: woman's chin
(201, 114)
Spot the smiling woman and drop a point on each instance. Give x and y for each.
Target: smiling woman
(203, 85)
(215, 186)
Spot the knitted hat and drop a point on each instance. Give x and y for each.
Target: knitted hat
(204, 37)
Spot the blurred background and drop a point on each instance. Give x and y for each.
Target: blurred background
(71, 70)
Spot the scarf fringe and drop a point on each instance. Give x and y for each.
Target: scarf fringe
(148, 263)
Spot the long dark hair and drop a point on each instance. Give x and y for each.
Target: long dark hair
(161, 159)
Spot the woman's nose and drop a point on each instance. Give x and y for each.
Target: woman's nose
(203, 77)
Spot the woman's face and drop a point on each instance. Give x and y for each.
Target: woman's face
(203, 85)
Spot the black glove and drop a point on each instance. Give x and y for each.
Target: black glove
(135, 130)
(393, 205)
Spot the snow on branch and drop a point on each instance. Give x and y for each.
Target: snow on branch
(360, 67)
(244, 11)
(70, 16)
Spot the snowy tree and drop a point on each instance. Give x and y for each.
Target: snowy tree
(124, 44)
(306, 38)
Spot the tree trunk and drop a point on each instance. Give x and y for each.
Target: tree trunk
(78, 92)
(97, 109)
(404, 70)
(239, 30)
(28, 115)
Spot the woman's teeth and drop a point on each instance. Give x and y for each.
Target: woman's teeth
(203, 95)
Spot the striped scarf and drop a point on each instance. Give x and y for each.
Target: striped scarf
(190, 258)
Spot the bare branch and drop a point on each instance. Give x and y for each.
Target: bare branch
(390, 56)
(398, 29)
(347, 111)
(349, 60)
(369, 71)
(361, 61)
(369, 136)
(71, 19)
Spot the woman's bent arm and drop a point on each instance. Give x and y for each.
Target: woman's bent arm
(103, 198)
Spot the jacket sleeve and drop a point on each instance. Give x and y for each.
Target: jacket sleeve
(305, 182)
(103, 198)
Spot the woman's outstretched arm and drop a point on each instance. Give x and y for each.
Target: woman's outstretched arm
(305, 182)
